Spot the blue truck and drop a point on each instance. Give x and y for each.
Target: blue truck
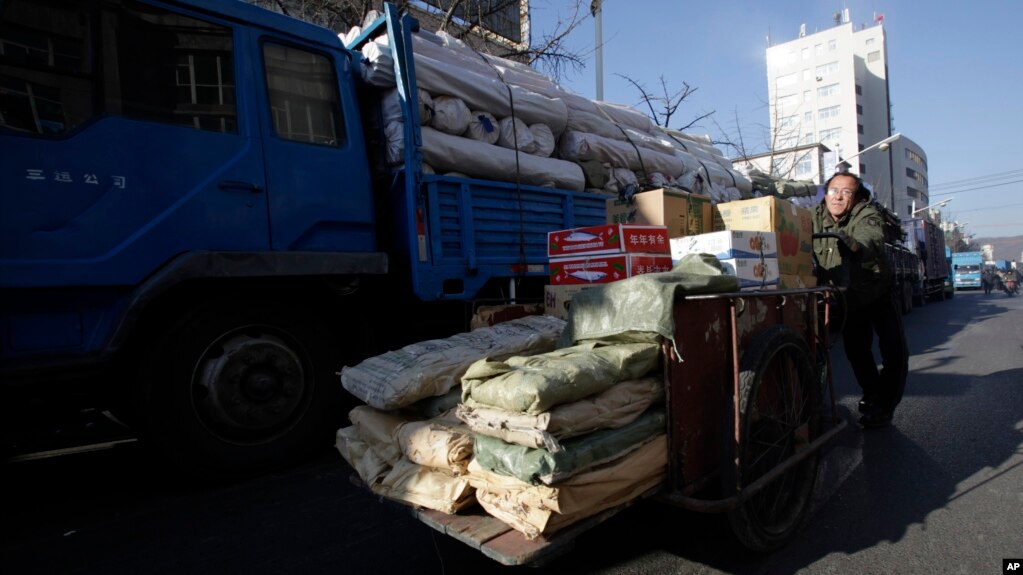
(926, 241)
(198, 228)
(966, 268)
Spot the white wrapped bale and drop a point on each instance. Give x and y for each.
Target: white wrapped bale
(579, 146)
(390, 106)
(514, 133)
(475, 159)
(483, 127)
(450, 115)
(544, 140)
(488, 92)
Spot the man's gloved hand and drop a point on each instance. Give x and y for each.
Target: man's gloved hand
(849, 241)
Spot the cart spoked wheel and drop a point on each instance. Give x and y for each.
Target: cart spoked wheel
(779, 415)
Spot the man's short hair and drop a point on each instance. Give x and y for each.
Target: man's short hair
(862, 193)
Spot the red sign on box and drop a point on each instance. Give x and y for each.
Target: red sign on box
(604, 269)
(608, 239)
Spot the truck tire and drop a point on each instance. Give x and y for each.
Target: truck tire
(243, 386)
(779, 410)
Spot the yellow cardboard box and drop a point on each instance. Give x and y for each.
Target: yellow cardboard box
(792, 225)
(684, 214)
(557, 299)
(787, 281)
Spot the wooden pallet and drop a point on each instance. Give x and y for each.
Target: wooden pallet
(500, 542)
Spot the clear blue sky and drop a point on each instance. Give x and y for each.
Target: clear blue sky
(955, 74)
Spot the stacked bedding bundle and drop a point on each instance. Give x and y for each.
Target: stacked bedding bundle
(561, 139)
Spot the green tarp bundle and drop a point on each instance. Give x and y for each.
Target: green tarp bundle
(541, 466)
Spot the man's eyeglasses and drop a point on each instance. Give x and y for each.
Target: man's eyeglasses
(844, 192)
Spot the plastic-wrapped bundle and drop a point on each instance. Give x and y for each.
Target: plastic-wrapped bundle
(377, 66)
(514, 133)
(486, 92)
(543, 139)
(620, 179)
(450, 115)
(579, 146)
(478, 159)
(483, 127)
(390, 106)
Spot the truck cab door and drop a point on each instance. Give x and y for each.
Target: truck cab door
(318, 179)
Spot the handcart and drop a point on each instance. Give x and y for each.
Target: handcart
(750, 404)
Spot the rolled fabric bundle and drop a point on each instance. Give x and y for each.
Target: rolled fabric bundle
(578, 146)
(620, 179)
(488, 92)
(478, 159)
(450, 115)
(483, 127)
(514, 132)
(626, 116)
(390, 106)
(376, 66)
(544, 140)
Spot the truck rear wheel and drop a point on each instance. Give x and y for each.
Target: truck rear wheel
(236, 387)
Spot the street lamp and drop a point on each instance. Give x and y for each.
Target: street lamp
(883, 145)
(940, 205)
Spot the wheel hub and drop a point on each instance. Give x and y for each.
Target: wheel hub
(249, 385)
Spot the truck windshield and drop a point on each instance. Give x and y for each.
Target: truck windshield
(968, 269)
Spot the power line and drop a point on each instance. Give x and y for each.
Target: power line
(976, 188)
(978, 179)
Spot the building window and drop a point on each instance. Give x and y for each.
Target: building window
(829, 112)
(829, 90)
(787, 122)
(785, 142)
(832, 45)
(916, 176)
(863, 169)
(831, 135)
(914, 193)
(304, 102)
(807, 95)
(786, 80)
(827, 69)
(859, 90)
(859, 128)
(859, 109)
(808, 138)
(788, 100)
(915, 157)
(870, 41)
(806, 53)
(874, 56)
(807, 117)
(804, 166)
(806, 75)
(818, 50)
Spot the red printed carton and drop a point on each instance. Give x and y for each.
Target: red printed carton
(602, 269)
(608, 239)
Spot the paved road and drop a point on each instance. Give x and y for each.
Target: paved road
(940, 492)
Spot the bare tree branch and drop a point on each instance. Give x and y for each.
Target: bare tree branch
(663, 107)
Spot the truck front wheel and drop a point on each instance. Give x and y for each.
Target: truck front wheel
(240, 387)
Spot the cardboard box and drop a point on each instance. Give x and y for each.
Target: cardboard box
(684, 214)
(608, 239)
(786, 281)
(557, 299)
(602, 269)
(792, 225)
(753, 273)
(727, 244)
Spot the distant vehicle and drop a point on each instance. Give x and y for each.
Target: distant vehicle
(949, 286)
(927, 242)
(966, 268)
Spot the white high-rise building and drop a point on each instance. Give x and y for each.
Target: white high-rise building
(831, 87)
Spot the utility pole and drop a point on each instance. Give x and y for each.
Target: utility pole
(595, 10)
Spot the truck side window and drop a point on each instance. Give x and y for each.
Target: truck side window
(173, 69)
(304, 101)
(47, 80)
(156, 65)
